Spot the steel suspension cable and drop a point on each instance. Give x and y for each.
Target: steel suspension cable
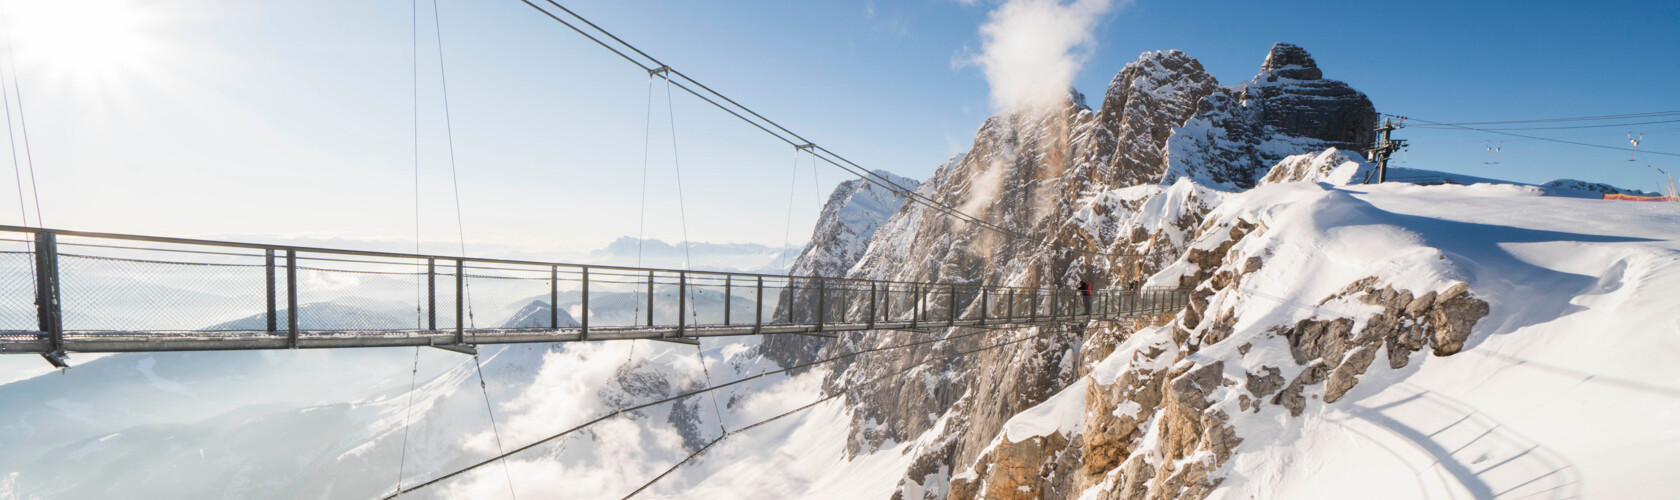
(414, 65)
(787, 230)
(454, 176)
(641, 222)
(414, 373)
(11, 139)
(23, 120)
(460, 227)
(495, 430)
(843, 391)
(785, 135)
(682, 206)
(407, 411)
(623, 410)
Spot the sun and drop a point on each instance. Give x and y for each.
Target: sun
(88, 42)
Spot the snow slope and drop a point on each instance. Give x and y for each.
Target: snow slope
(1566, 388)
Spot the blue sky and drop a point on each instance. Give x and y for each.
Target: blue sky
(262, 120)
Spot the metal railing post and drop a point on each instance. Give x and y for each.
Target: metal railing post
(584, 321)
(682, 302)
(758, 314)
(1008, 307)
(886, 305)
(951, 320)
(48, 308)
(728, 296)
(820, 293)
(915, 304)
(554, 297)
(460, 301)
(650, 299)
(268, 267)
(983, 306)
(431, 294)
(291, 299)
(871, 321)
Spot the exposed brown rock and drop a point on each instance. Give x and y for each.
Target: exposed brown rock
(1263, 385)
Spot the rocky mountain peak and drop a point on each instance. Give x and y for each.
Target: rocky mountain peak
(1289, 61)
(1239, 132)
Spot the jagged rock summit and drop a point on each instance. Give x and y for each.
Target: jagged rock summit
(1287, 60)
(1239, 132)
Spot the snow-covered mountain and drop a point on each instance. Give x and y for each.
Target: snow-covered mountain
(1471, 338)
(849, 218)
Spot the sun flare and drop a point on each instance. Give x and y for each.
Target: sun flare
(87, 42)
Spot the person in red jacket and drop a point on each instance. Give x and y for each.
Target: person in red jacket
(1085, 295)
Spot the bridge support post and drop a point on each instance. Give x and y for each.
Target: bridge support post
(951, 320)
(554, 297)
(758, 315)
(584, 333)
(886, 305)
(1009, 310)
(291, 299)
(871, 321)
(268, 269)
(460, 302)
(682, 303)
(431, 294)
(650, 299)
(983, 295)
(728, 296)
(820, 310)
(48, 309)
(915, 304)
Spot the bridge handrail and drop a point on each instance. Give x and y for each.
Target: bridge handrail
(118, 307)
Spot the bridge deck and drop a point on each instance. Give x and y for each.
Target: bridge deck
(71, 291)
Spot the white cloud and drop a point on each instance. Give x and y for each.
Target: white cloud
(1032, 49)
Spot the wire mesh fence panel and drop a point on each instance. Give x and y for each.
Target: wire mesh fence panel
(443, 296)
(707, 300)
(106, 294)
(511, 302)
(617, 299)
(17, 292)
(375, 297)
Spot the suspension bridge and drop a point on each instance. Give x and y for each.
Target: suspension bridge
(72, 291)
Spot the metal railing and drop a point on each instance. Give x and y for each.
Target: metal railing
(81, 291)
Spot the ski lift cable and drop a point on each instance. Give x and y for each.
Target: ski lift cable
(1548, 139)
(1569, 136)
(1605, 125)
(1649, 114)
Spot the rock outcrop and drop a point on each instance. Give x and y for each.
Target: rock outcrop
(1289, 108)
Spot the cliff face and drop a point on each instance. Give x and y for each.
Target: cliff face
(849, 218)
(1094, 185)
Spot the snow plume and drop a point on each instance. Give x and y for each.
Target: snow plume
(983, 189)
(1034, 48)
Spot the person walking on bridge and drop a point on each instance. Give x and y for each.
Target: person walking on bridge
(1085, 296)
